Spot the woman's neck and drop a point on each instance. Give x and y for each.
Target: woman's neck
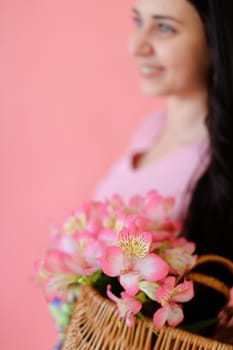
(186, 117)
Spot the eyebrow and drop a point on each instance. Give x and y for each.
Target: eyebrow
(158, 17)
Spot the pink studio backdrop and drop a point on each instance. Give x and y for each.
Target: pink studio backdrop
(70, 99)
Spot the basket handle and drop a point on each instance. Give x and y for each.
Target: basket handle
(211, 281)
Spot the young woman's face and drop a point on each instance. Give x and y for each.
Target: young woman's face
(169, 47)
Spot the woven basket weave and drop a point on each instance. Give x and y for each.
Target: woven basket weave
(92, 328)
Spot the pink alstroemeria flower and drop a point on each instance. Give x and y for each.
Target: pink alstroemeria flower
(180, 255)
(69, 258)
(136, 223)
(78, 254)
(85, 219)
(55, 275)
(127, 305)
(108, 237)
(156, 207)
(57, 286)
(145, 205)
(167, 295)
(112, 214)
(131, 261)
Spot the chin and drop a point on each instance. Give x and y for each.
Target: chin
(153, 91)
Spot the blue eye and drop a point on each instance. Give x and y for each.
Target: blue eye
(137, 21)
(166, 28)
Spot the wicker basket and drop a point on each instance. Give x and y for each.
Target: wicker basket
(92, 328)
(94, 324)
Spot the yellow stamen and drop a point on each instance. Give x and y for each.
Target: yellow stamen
(135, 247)
(171, 293)
(75, 223)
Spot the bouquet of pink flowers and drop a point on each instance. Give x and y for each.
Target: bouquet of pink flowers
(131, 252)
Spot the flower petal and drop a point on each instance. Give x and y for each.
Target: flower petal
(149, 288)
(165, 290)
(108, 236)
(57, 286)
(175, 314)
(64, 244)
(111, 296)
(129, 282)
(113, 261)
(133, 304)
(185, 292)
(93, 252)
(152, 267)
(160, 317)
(79, 266)
(179, 259)
(129, 320)
(127, 305)
(55, 262)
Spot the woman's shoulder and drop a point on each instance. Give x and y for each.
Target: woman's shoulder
(147, 129)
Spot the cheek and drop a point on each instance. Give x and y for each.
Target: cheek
(182, 57)
(171, 54)
(196, 60)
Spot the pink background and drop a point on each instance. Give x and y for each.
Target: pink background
(70, 99)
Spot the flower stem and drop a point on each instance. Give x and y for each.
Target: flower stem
(141, 316)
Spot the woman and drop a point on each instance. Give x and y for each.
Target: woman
(183, 50)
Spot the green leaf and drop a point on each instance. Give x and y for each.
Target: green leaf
(196, 327)
(163, 247)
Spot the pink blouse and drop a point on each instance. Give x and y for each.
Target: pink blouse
(174, 175)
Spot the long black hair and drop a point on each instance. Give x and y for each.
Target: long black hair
(210, 216)
(209, 221)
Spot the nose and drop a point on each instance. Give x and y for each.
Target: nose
(140, 45)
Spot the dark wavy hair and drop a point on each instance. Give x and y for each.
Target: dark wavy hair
(209, 221)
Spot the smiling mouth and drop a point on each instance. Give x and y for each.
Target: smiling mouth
(150, 71)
